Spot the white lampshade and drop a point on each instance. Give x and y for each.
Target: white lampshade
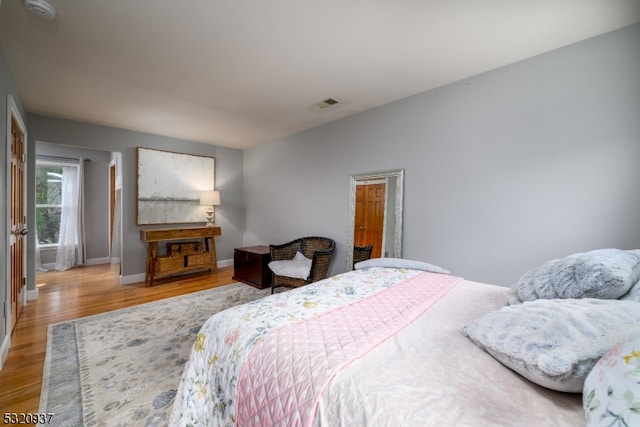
(210, 198)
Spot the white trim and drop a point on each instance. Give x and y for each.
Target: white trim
(92, 261)
(4, 350)
(98, 261)
(49, 266)
(33, 294)
(132, 278)
(225, 263)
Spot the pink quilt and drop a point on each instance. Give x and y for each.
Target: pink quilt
(286, 372)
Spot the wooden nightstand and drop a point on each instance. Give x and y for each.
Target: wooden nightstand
(251, 266)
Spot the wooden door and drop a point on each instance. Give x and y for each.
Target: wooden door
(369, 217)
(18, 240)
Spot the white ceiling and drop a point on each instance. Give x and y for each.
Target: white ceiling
(238, 73)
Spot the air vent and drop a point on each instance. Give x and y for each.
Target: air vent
(41, 8)
(329, 102)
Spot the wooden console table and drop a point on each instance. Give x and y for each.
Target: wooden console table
(180, 257)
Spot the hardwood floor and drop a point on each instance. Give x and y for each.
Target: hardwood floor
(69, 295)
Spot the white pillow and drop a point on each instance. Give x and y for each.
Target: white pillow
(299, 256)
(298, 268)
(555, 343)
(400, 263)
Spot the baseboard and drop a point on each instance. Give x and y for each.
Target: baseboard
(33, 294)
(51, 266)
(225, 263)
(98, 261)
(4, 350)
(139, 277)
(132, 278)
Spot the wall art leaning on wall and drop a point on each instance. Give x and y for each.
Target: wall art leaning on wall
(169, 184)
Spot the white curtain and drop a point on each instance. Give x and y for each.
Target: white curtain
(71, 246)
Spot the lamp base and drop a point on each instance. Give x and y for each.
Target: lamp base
(209, 222)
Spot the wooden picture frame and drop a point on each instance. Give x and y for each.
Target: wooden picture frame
(169, 184)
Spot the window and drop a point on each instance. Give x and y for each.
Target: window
(48, 202)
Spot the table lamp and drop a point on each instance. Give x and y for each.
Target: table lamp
(209, 198)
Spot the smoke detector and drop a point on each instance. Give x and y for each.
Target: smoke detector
(41, 8)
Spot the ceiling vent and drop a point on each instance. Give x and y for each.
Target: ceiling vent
(41, 8)
(329, 102)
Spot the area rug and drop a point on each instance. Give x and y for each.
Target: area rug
(122, 368)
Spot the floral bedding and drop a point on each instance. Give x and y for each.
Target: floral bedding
(427, 374)
(285, 374)
(207, 391)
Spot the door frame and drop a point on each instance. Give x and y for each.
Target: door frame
(12, 112)
(392, 209)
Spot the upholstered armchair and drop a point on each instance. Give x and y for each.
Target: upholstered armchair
(361, 253)
(301, 261)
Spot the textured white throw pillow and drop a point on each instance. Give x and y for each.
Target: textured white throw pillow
(400, 263)
(555, 343)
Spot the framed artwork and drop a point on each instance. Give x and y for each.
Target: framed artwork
(169, 185)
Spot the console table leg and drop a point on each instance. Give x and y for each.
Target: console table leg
(152, 252)
(210, 243)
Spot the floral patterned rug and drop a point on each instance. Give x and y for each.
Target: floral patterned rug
(122, 368)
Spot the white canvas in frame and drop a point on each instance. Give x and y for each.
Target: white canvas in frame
(169, 185)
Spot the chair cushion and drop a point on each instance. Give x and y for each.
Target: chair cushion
(298, 268)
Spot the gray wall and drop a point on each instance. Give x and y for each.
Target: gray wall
(503, 170)
(229, 216)
(7, 87)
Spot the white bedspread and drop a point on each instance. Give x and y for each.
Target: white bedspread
(431, 375)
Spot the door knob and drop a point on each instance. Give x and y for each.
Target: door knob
(24, 232)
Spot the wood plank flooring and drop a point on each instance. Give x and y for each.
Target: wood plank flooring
(69, 295)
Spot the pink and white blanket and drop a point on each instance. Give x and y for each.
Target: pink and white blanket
(284, 376)
(323, 326)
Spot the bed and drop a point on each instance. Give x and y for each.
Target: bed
(390, 343)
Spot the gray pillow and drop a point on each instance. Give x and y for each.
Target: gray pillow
(633, 294)
(400, 263)
(603, 273)
(555, 343)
